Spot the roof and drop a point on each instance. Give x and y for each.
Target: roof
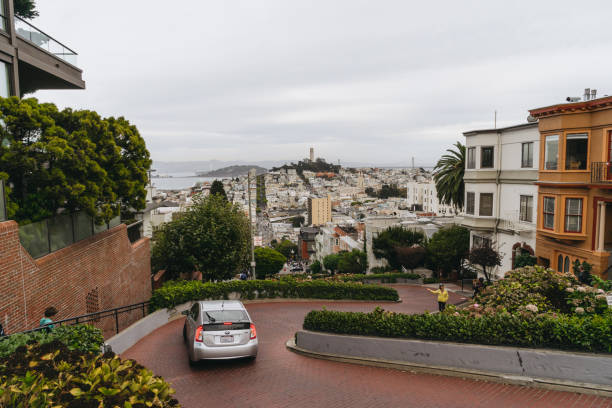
(504, 129)
(583, 106)
(222, 304)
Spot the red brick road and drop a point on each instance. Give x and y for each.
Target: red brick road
(280, 378)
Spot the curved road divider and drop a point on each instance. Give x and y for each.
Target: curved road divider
(575, 372)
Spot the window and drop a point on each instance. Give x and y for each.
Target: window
(486, 204)
(551, 152)
(469, 203)
(560, 263)
(573, 214)
(486, 157)
(527, 155)
(549, 212)
(471, 158)
(481, 242)
(5, 81)
(526, 208)
(195, 310)
(2, 15)
(566, 265)
(576, 147)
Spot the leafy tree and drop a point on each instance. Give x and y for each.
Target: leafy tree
(410, 257)
(268, 262)
(447, 249)
(448, 176)
(370, 192)
(211, 237)
(316, 267)
(524, 259)
(355, 261)
(297, 221)
(70, 160)
(583, 271)
(385, 244)
(287, 248)
(217, 188)
(331, 262)
(485, 257)
(25, 9)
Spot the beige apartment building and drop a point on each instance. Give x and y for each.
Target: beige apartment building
(319, 210)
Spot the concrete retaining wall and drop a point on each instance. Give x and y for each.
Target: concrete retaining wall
(548, 365)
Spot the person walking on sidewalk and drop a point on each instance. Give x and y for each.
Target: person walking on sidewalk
(442, 296)
(46, 321)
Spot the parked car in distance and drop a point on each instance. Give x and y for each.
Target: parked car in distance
(219, 330)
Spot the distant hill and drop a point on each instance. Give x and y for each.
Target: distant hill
(232, 171)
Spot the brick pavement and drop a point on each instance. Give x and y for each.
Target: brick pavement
(280, 378)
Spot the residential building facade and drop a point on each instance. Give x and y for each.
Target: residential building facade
(500, 193)
(319, 211)
(574, 221)
(422, 196)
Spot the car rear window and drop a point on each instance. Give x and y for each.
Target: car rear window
(222, 316)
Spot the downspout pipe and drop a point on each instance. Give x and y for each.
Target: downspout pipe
(498, 190)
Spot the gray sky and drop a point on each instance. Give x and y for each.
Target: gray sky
(364, 81)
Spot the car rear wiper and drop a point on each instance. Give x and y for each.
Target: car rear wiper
(212, 319)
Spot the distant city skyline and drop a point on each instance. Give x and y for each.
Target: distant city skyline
(363, 81)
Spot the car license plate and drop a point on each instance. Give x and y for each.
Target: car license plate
(227, 339)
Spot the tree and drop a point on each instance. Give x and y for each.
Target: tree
(287, 248)
(297, 221)
(485, 256)
(524, 259)
(268, 262)
(211, 237)
(217, 188)
(410, 257)
(385, 244)
(331, 262)
(448, 176)
(316, 267)
(65, 161)
(447, 249)
(355, 261)
(25, 9)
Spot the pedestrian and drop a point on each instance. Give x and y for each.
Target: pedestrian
(243, 276)
(46, 321)
(476, 287)
(442, 296)
(2, 333)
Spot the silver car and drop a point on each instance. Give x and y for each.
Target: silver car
(218, 330)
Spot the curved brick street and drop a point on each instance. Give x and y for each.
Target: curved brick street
(280, 378)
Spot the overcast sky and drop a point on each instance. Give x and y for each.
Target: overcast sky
(363, 81)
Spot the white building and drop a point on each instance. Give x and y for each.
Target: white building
(423, 196)
(500, 194)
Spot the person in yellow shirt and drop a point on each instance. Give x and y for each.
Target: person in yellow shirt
(442, 296)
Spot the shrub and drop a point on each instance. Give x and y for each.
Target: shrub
(431, 280)
(176, 292)
(590, 333)
(316, 267)
(524, 259)
(381, 269)
(80, 337)
(51, 374)
(384, 277)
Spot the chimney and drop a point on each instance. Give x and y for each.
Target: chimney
(593, 94)
(587, 94)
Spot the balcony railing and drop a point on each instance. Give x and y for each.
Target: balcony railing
(601, 172)
(27, 31)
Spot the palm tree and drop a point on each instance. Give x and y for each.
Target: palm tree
(448, 175)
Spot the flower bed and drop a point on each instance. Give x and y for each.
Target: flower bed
(591, 333)
(65, 368)
(177, 292)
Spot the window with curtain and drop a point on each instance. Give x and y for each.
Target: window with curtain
(526, 208)
(549, 212)
(573, 214)
(471, 158)
(551, 152)
(486, 204)
(576, 151)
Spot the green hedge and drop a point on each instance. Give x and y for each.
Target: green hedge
(176, 292)
(383, 277)
(589, 333)
(80, 337)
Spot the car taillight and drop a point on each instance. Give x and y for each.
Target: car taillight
(198, 334)
(253, 332)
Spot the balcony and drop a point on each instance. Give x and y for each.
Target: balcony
(27, 31)
(601, 172)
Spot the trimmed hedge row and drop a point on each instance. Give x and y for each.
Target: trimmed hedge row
(383, 277)
(588, 333)
(176, 292)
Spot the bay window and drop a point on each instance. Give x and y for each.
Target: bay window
(486, 204)
(576, 151)
(486, 157)
(471, 158)
(469, 203)
(551, 152)
(549, 212)
(573, 214)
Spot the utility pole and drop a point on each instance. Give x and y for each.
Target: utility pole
(251, 224)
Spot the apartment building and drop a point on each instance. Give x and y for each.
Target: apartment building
(574, 220)
(31, 59)
(319, 210)
(500, 191)
(422, 196)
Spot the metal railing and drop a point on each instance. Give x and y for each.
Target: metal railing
(601, 172)
(134, 231)
(96, 318)
(28, 32)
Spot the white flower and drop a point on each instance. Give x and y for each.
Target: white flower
(600, 297)
(570, 290)
(579, 310)
(532, 308)
(600, 291)
(581, 289)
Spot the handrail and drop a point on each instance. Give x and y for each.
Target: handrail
(42, 32)
(92, 317)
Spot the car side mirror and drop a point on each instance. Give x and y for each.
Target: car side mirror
(185, 312)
